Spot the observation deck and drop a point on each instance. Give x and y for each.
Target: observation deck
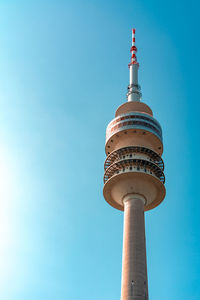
(134, 169)
(134, 124)
(134, 159)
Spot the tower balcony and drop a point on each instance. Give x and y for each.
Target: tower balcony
(134, 169)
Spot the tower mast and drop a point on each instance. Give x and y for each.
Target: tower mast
(134, 93)
(134, 178)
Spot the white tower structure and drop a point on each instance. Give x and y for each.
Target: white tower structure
(134, 178)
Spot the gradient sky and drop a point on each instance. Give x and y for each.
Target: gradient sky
(63, 73)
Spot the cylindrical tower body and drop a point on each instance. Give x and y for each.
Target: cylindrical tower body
(134, 268)
(134, 178)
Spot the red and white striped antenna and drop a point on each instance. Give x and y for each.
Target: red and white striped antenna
(133, 50)
(134, 93)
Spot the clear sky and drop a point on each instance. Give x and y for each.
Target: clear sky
(63, 73)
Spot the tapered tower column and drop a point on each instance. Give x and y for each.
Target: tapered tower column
(134, 268)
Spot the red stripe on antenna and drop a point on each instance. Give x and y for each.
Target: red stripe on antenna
(133, 48)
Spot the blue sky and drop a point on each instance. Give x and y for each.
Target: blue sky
(63, 73)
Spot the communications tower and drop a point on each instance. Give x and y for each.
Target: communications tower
(134, 178)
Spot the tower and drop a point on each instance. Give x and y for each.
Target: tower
(134, 178)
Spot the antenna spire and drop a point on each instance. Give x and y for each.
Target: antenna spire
(133, 50)
(134, 93)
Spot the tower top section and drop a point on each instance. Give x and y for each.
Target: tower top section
(134, 93)
(134, 147)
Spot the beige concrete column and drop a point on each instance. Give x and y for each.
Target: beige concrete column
(134, 267)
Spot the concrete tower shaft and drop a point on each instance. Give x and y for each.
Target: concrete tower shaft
(134, 267)
(134, 178)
